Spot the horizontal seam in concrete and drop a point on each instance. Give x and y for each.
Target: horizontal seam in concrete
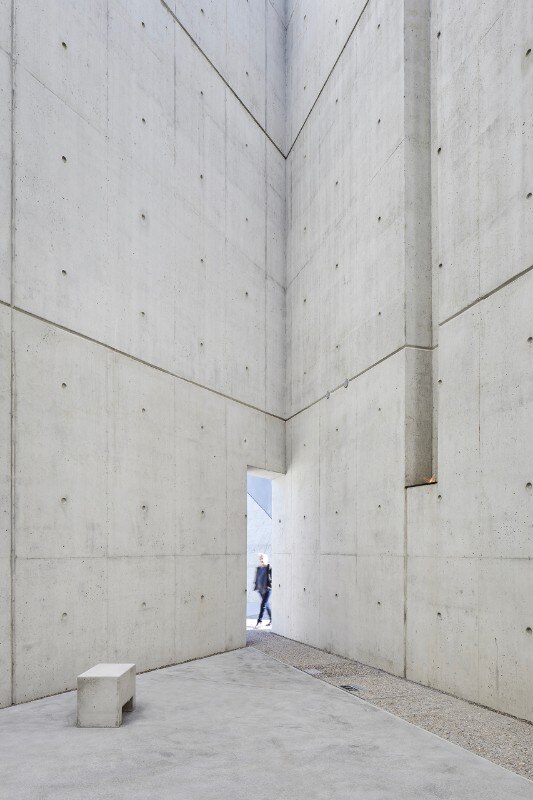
(358, 375)
(106, 557)
(488, 294)
(327, 77)
(222, 78)
(139, 360)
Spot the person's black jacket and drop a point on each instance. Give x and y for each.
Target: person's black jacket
(263, 579)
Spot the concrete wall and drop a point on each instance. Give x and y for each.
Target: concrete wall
(143, 293)
(409, 250)
(217, 217)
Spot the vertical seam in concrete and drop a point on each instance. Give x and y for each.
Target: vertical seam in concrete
(265, 373)
(109, 360)
(405, 584)
(12, 357)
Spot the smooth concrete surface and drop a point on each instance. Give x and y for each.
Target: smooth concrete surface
(285, 236)
(228, 725)
(103, 692)
(402, 531)
(142, 331)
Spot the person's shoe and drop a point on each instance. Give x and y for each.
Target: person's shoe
(257, 624)
(269, 623)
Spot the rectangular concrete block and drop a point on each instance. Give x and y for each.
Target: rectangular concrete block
(103, 692)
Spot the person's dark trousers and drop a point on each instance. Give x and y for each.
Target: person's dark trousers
(265, 597)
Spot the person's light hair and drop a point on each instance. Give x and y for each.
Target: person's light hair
(264, 557)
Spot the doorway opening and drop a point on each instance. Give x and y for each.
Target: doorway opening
(259, 541)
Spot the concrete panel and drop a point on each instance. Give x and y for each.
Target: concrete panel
(418, 415)
(5, 432)
(380, 458)
(442, 624)
(275, 444)
(59, 238)
(276, 221)
(506, 432)
(141, 611)
(485, 136)
(505, 637)
(60, 623)
(458, 425)
(276, 89)
(305, 598)
(282, 622)
(235, 604)
(5, 175)
(305, 487)
(316, 35)
(5, 26)
(142, 470)
(5, 506)
(141, 112)
(379, 612)
(338, 473)
(200, 478)
(64, 46)
(246, 63)
(338, 603)
(200, 602)
(275, 357)
(61, 442)
(245, 42)
(5, 631)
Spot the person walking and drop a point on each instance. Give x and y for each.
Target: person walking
(263, 585)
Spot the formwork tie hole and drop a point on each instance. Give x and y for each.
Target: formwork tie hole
(64, 159)
(64, 45)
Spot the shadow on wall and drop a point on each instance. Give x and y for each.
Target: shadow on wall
(259, 533)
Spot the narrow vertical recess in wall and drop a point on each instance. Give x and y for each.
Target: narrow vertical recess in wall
(418, 262)
(12, 358)
(417, 246)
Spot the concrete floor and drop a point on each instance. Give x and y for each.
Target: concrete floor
(238, 725)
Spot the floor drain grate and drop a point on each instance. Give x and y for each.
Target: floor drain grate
(348, 688)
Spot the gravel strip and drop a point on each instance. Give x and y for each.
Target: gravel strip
(505, 740)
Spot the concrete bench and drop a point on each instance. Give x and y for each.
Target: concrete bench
(104, 692)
